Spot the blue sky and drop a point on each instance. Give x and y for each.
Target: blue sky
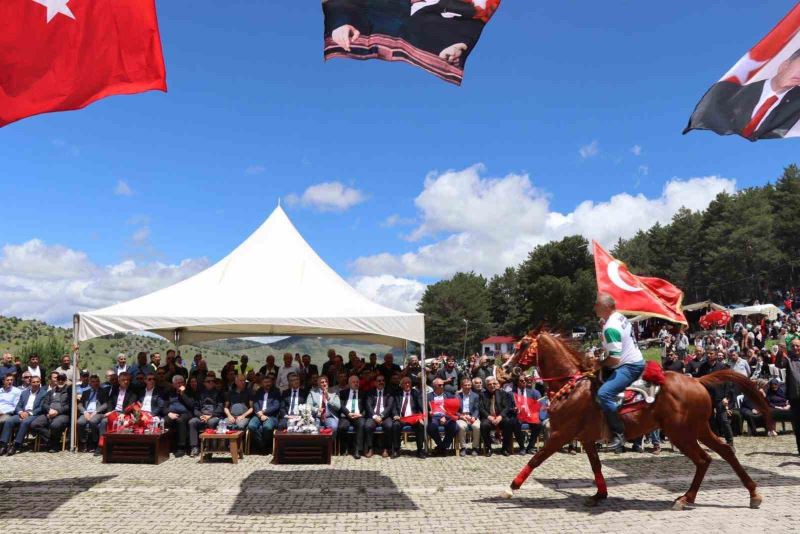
(254, 114)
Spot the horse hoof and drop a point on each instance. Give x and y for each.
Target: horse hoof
(507, 493)
(679, 504)
(755, 501)
(594, 500)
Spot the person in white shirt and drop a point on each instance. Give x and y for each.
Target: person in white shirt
(353, 411)
(325, 406)
(282, 380)
(122, 365)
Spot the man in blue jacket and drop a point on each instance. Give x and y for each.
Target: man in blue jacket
(469, 417)
(28, 408)
(178, 406)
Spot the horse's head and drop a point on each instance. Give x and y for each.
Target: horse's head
(526, 353)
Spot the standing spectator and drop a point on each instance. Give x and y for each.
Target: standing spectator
(307, 369)
(155, 361)
(413, 371)
(721, 396)
(122, 364)
(449, 376)
(34, 368)
(141, 365)
(739, 365)
(388, 367)
(673, 363)
(92, 405)
(681, 344)
(56, 408)
(243, 368)
(83, 385)
(791, 362)
(484, 370)
(28, 409)
(7, 366)
(468, 417)
(326, 365)
(283, 374)
(372, 364)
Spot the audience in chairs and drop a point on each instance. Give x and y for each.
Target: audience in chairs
(237, 404)
(380, 408)
(409, 414)
(208, 410)
(55, 418)
(497, 413)
(266, 409)
(325, 406)
(438, 418)
(92, 406)
(353, 411)
(468, 418)
(27, 408)
(178, 408)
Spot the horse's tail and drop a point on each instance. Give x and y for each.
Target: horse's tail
(746, 386)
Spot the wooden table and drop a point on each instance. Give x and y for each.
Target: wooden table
(123, 447)
(296, 448)
(214, 443)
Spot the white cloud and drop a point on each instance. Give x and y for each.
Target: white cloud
(395, 220)
(252, 170)
(123, 189)
(488, 224)
(590, 150)
(401, 294)
(52, 282)
(327, 196)
(636, 150)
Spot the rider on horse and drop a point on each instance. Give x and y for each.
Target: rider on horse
(624, 360)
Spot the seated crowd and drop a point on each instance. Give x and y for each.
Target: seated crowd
(367, 406)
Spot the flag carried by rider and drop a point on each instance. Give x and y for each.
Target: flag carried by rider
(633, 294)
(59, 55)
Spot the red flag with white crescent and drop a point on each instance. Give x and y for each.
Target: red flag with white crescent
(58, 55)
(638, 295)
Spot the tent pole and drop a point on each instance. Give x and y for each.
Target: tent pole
(75, 373)
(424, 387)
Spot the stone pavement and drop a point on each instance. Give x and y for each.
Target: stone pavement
(76, 493)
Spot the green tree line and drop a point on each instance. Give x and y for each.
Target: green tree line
(743, 247)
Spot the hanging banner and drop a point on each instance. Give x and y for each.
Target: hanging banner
(435, 35)
(759, 98)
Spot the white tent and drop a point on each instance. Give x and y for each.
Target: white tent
(272, 284)
(769, 310)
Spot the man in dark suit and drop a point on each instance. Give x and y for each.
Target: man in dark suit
(293, 397)
(497, 411)
(380, 409)
(151, 398)
(527, 412)
(353, 412)
(266, 409)
(56, 408)
(388, 367)
(119, 399)
(92, 406)
(469, 418)
(409, 405)
(440, 419)
(28, 409)
(208, 409)
(767, 109)
(178, 406)
(307, 369)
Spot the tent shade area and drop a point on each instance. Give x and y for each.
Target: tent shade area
(770, 311)
(272, 284)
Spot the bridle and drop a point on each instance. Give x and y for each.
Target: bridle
(528, 356)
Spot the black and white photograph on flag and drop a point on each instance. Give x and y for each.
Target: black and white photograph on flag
(759, 97)
(435, 35)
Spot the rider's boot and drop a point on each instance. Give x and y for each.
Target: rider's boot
(617, 443)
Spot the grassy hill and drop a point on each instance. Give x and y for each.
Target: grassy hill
(21, 337)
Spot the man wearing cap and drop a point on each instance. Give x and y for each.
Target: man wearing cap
(83, 385)
(56, 408)
(92, 407)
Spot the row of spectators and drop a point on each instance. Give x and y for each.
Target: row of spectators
(365, 404)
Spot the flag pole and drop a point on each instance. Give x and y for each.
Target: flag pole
(74, 397)
(424, 387)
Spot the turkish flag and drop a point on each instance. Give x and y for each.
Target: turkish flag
(637, 294)
(58, 55)
(527, 409)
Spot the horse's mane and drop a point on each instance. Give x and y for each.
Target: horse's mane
(572, 351)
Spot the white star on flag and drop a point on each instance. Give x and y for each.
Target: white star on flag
(54, 7)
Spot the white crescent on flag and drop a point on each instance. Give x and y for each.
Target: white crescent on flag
(613, 275)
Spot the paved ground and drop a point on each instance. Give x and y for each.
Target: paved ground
(71, 493)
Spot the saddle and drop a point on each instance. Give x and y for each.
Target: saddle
(643, 390)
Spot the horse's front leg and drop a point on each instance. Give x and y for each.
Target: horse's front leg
(597, 469)
(553, 445)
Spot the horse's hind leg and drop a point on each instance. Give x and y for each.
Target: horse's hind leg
(553, 444)
(701, 460)
(726, 453)
(597, 468)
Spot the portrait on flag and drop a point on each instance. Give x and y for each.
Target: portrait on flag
(435, 35)
(759, 97)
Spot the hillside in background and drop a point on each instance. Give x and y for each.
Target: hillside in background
(22, 337)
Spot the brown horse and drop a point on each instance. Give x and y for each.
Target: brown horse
(681, 410)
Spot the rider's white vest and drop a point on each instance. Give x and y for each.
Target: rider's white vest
(618, 340)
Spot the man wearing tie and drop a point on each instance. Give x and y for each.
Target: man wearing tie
(91, 407)
(410, 405)
(380, 409)
(325, 406)
(151, 399)
(307, 369)
(266, 407)
(352, 415)
(468, 417)
(525, 400)
(291, 399)
(497, 412)
(120, 398)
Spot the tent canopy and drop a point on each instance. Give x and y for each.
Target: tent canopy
(769, 310)
(272, 284)
(703, 305)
